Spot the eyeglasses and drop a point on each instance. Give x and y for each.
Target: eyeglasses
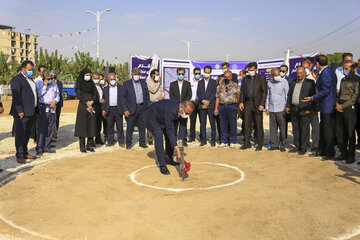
(182, 74)
(283, 71)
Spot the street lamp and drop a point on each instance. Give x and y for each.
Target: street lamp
(97, 15)
(188, 46)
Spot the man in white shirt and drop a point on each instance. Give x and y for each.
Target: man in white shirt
(194, 99)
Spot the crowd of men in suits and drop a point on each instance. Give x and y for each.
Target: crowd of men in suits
(105, 104)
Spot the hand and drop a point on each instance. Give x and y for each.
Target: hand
(52, 104)
(177, 150)
(127, 114)
(196, 102)
(101, 100)
(21, 115)
(339, 108)
(1, 110)
(261, 108)
(287, 110)
(204, 107)
(216, 112)
(90, 109)
(306, 99)
(241, 107)
(88, 103)
(46, 82)
(206, 102)
(307, 112)
(267, 112)
(337, 91)
(103, 113)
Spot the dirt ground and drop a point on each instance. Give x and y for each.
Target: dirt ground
(70, 195)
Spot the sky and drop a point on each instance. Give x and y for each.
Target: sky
(247, 30)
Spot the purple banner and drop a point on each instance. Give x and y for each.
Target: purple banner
(143, 63)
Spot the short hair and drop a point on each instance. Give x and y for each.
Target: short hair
(354, 66)
(247, 66)
(153, 72)
(186, 104)
(274, 70)
(41, 66)
(135, 70)
(47, 72)
(310, 59)
(322, 60)
(197, 68)
(25, 63)
(111, 74)
(252, 64)
(96, 74)
(226, 64)
(227, 72)
(209, 67)
(347, 54)
(284, 65)
(180, 69)
(53, 72)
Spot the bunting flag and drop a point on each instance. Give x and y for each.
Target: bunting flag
(65, 35)
(77, 47)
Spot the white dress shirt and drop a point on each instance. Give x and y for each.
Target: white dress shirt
(33, 87)
(113, 96)
(99, 89)
(180, 84)
(194, 85)
(206, 83)
(339, 75)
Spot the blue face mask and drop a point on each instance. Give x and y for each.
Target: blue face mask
(346, 73)
(247, 74)
(29, 74)
(181, 77)
(197, 76)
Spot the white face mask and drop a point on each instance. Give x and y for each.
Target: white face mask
(206, 75)
(307, 71)
(224, 70)
(102, 82)
(112, 82)
(96, 81)
(87, 78)
(157, 78)
(277, 78)
(136, 78)
(252, 73)
(282, 74)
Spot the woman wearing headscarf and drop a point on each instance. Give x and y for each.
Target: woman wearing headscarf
(85, 126)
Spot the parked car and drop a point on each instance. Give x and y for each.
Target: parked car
(69, 84)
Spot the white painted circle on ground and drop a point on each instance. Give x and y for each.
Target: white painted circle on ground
(242, 177)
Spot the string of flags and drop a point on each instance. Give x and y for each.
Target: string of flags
(56, 35)
(78, 46)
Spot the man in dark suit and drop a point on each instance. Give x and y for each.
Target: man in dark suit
(226, 67)
(326, 98)
(112, 109)
(284, 70)
(180, 90)
(299, 111)
(160, 120)
(252, 102)
(206, 93)
(24, 104)
(135, 98)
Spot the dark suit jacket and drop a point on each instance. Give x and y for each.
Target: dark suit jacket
(234, 77)
(60, 87)
(289, 79)
(307, 90)
(260, 90)
(129, 97)
(209, 94)
(22, 96)
(161, 115)
(186, 92)
(120, 105)
(326, 86)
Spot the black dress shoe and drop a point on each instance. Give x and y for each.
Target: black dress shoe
(191, 139)
(90, 149)
(143, 145)
(258, 148)
(50, 151)
(110, 144)
(52, 146)
(202, 144)
(341, 157)
(83, 150)
(315, 154)
(164, 170)
(350, 160)
(185, 144)
(314, 149)
(282, 149)
(39, 154)
(301, 152)
(326, 158)
(213, 144)
(293, 150)
(273, 148)
(121, 145)
(243, 147)
(150, 142)
(128, 147)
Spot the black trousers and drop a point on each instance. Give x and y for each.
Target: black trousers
(345, 124)
(204, 113)
(218, 126)
(176, 126)
(358, 123)
(23, 131)
(99, 122)
(194, 115)
(327, 136)
(114, 117)
(301, 129)
(253, 115)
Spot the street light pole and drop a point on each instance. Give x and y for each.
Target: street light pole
(188, 46)
(98, 15)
